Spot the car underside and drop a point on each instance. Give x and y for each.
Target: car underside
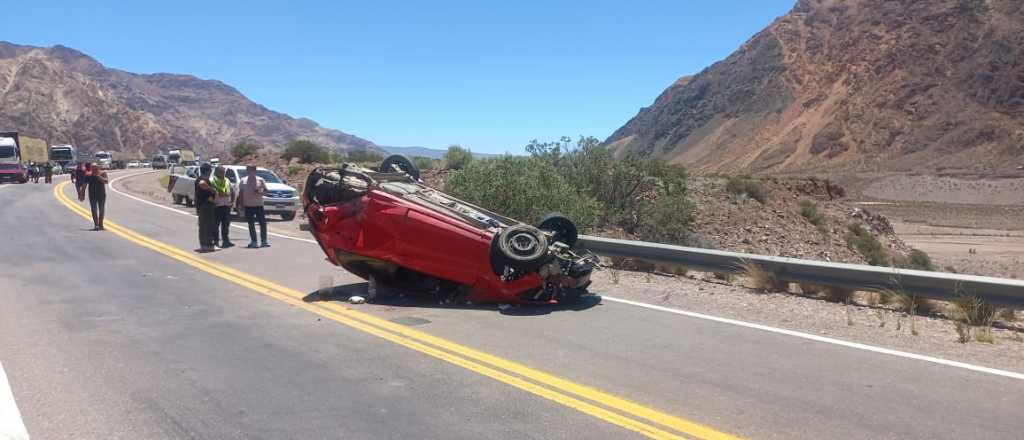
(386, 226)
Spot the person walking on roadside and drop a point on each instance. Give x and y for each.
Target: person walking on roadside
(223, 202)
(250, 199)
(205, 209)
(97, 184)
(79, 177)
(48, 172)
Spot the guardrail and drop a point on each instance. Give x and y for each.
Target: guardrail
(935, 285)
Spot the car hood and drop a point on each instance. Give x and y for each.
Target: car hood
(278, 187)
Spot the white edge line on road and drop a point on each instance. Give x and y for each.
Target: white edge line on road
(11, 425)
(824, 339)
(781, 331)
(234, 224)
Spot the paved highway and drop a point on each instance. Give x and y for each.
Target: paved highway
(127, 333)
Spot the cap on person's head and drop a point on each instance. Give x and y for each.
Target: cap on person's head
(205, 168)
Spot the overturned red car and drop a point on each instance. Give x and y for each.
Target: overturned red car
(387, 225)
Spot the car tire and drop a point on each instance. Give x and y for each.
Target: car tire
(176, 199)
(288, 216)
(403, 163)
(521, 247)
(188, 202)
(563, 229)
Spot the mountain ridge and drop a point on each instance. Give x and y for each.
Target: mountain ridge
(66, 96)
(873, 85)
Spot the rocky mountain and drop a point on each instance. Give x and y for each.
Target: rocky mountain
(65, 96)
(894, 85)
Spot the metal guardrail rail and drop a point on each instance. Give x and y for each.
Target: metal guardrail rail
(935, 285)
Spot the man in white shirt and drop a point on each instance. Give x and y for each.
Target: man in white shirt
(250, 199)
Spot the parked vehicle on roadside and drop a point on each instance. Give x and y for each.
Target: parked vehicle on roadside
(10, 148)
(182, 184)
(104, 159)
(64, 155)
(145, 164)
(385, 225)
(13, 172)
(280, 198)
(134, 164)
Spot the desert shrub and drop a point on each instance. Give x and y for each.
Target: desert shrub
(809, 210)
(364, 156)
(306, 152)
(972, 310)
(523, 188)
(668, 220)
(423, 163)
(294, 169)
(627, 188)
(917, 259)
(457, 158)
(243, 150)
(762, 279)
(907, 303)
(1008, 315)
(748, 186)
(859, 238)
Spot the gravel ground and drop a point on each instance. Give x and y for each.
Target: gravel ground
(877, 326)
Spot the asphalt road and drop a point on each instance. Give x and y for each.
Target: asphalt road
(107, 335)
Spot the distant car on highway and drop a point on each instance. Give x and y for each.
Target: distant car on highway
(134, 164)
(182, 184)
(146, 164)
(159, 162)
(13, 172)
(280, 198)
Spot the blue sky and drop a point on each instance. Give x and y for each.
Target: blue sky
(487, 75)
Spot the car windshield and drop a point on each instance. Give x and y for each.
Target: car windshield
(103, 155)
(60, 154)
(6, 152)
(266, 175)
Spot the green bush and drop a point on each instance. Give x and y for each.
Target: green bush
(859, 238)
(522, 188)
(364, 156)
(668, 220)
(243, 150)
(294, 169)
(748, 186)
(306, 152)
(917, 259)
(423, 163)
(457, 157)
(809, 210)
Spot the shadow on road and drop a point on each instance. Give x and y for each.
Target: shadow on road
(416, 300)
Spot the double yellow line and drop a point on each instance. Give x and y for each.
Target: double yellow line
(610, 408)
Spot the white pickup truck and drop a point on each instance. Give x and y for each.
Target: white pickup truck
(280, 198)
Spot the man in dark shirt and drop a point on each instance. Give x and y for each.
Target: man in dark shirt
(97, 184)
(206, 209)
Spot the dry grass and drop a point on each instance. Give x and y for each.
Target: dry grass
(1007, 315)
(165, 180)
(834, 294)
(762, 279)
(973, 315)
(909, 304)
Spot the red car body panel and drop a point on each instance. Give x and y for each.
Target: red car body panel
(384, 227)
(13, 172)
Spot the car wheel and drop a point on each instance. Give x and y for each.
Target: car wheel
(288, 216)
(188, 202)
(402, 163)
(563, 229)
(176, 199)
(521, 247)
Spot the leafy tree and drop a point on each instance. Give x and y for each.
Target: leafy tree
(364, 156)
(457, 157)
(306, 152)
(244, 149)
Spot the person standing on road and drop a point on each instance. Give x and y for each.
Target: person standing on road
(223, 202)
(97, 184)
(250, 198)
(48, 172)
(78, 176)
(205, 209)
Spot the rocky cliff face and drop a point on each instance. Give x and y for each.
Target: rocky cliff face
(899, 85)
(65, 96)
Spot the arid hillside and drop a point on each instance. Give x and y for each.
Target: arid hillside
(866, 85)
(65, 96)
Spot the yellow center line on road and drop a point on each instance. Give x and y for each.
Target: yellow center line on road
(551, 387)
